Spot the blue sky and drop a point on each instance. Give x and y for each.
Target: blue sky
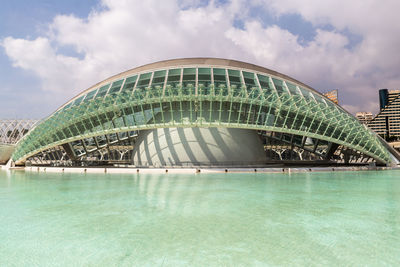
(52, 50)
(29, 19)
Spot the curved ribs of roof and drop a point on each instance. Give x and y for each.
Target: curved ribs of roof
(11, 131)
(214, 92)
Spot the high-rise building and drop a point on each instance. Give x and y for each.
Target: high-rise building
(387, 121)
(364, 117)
(333, 96)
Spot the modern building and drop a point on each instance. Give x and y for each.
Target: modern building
(333, 96)
(11, 131)
(200, 112)
(364, 117)
(387, 122)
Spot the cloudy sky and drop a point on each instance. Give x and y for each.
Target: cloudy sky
(52, 50)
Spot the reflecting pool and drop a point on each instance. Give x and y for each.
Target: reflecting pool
(336, 218)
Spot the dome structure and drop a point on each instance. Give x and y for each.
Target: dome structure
(226, 107)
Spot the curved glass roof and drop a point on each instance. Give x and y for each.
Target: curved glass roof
(243, 96)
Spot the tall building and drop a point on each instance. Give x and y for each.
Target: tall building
(387, 121)
(364, 117)
(333, 96)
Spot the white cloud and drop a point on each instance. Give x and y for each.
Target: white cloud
(125, 34)
(40, 57)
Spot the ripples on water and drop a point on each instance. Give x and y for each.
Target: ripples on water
(341, 218)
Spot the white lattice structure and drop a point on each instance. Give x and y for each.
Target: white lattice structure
(13, 130)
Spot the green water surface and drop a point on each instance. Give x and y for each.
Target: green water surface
(335, 219)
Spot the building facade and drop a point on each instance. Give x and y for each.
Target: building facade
(364, 117)
(333, 96)
(200, 112)
(387, 122)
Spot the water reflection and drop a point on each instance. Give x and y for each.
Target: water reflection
(225, 219)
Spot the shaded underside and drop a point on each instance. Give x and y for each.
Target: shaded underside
(189, 147)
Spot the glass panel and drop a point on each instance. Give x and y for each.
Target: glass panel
(204, 73)
(159, 78)
(253, 92)
(138, 117)
(115, 87)
(90, 95)
(279, 86)
(204, 80)
(102, 91)
(60, 135)
(129, 84)
(174, 77)
(264, 81)
(305, 93)
(219, 77)
(144, 80)
(292, 88)
(318, 98)
(189, 75)
(129, 120)
(330, 103)
(67, 133)
(249, 80)
(78, 100)
(74, 130)
(67, 106)
(248, 77)
(189, 71)
(174, 72)
(189, 81)
(265, 84)
(234, 78)
(139, 94)
(159, 73)
(219, 74)
(87, 124)
(80, 127)
(156, 90)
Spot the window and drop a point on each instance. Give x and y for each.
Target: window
(189, 81)
(279, 86)
(174, 77)
(129, 84)
(265, 84)
(144, 80)
(90, 95)
(115, 87)
(159, 78)
(220, 81)
(292, 88)
(78, 100)
(204, 80)
(102, 91)
(249, 80)
(234, 77)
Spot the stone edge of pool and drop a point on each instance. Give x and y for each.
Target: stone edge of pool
(196, 170)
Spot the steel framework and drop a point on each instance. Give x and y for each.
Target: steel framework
(11, 131)
(196, 95)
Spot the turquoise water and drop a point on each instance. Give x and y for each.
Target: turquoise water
(340, 218)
